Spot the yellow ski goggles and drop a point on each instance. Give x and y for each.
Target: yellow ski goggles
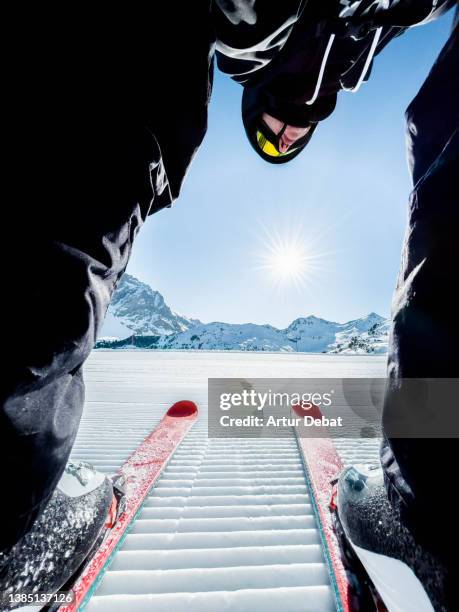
(271, 149)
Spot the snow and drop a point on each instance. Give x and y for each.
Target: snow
(224, 557)
(230, 524)
(309, 334)
(113, 328)
(226, 336)
(138, 309)
(291, 599)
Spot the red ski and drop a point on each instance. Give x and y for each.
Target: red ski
(322, 466)
(139, 474)
(353, 589)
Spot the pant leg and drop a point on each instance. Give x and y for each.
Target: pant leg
(424, 336)
(62, 270)
(433, 114)
(86, 166)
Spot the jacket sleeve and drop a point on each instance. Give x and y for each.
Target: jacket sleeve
(315, 64)
(250, 33)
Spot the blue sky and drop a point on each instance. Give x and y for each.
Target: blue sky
(343, 200)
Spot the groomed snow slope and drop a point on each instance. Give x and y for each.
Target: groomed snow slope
(229, 525)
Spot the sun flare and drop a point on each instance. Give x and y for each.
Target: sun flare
(291, 257)
(287, 262)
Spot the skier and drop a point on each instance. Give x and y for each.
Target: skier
(385, 513)
(395, 513)
(330, 49)
(118, 113)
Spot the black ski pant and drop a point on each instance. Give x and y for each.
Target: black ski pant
(106, 112)
(420, 472)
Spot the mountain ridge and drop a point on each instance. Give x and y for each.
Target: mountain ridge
(137, 308)
(139, 317)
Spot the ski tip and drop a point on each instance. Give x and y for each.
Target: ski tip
(311, 410)
(184, 408)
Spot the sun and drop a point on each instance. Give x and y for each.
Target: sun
(291, 257)
(288, 262)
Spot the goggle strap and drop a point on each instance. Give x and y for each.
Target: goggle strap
(281, 133)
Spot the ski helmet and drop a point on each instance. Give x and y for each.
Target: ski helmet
(264, 141)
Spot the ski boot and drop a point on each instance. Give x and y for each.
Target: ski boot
(49, 558)
(388, 568)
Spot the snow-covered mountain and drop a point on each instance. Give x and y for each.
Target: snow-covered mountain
(374, 339)
(227, 336)
(137, 309)
(308, 334)
(366, 335)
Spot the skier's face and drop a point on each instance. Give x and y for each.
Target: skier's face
(291, 133)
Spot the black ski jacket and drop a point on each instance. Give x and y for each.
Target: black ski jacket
(303, 52)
